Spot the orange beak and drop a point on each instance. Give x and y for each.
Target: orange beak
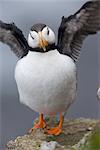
(42, 42)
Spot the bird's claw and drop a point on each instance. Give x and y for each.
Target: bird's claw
(54, 131)
(38, 125)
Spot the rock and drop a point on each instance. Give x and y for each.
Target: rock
(77, 135)
(49, 145)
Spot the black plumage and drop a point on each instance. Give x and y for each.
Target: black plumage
(74, 29)
(13, 36)
(38, 27)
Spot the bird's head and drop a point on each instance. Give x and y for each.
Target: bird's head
(41, 38)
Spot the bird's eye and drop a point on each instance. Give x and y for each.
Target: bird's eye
(48, 31)
(31, 36)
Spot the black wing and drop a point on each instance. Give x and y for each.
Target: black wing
(11, 35)
(74, 29)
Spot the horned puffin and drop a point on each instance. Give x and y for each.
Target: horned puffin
(46, 72)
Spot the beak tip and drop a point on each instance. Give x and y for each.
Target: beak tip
(44, 48)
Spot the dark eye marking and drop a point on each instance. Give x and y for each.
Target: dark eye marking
(48, 31)
(31, 36)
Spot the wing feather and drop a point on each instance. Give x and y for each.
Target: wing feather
(74, 29)
(13, 36)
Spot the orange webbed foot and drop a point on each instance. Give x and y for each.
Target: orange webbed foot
(41, 124)
(54, 131)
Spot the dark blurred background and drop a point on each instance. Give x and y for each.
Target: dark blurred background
(15, 118)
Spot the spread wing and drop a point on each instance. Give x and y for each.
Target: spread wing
(11, 35)
(74, 29)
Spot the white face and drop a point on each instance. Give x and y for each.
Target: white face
(47, 36)
(33, 39)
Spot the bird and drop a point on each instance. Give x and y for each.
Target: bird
(46, 72)
(98, 93)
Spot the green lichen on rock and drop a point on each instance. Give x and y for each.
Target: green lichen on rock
(78, 134)
(93, 142)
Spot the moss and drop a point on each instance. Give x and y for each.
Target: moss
(93, 142)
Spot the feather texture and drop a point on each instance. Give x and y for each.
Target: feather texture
(74, 29)
(13, 36)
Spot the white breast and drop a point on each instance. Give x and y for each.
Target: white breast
(46, 81)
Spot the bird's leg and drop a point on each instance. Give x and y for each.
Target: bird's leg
(56, 130)
(41, 124)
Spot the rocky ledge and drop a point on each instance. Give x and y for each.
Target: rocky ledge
(78, 134)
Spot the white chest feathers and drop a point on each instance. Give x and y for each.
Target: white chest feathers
(46, 81)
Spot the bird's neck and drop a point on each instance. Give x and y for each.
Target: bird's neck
(48, 48)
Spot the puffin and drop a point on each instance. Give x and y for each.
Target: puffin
(46, 72)
(98, 93)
